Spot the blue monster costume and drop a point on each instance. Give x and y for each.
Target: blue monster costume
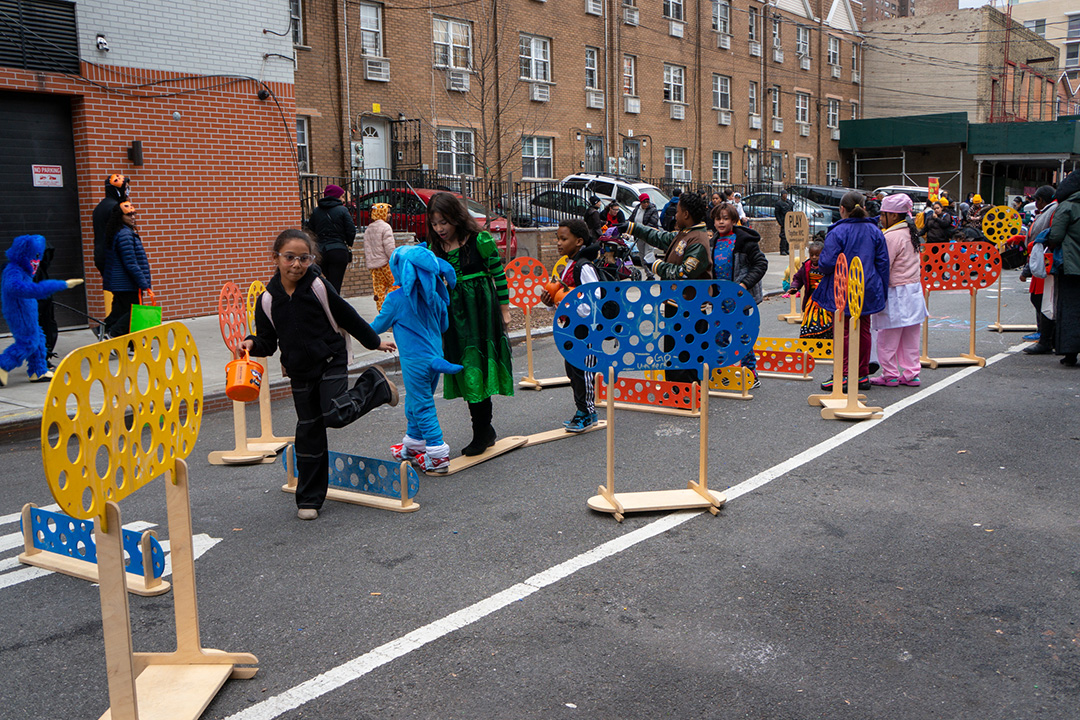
(417, 311)
(19, 295)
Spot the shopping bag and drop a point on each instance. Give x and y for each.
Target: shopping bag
(145, 315)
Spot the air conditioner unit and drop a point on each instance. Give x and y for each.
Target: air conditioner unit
(540, 92)
(594, 99)
(678, 112)
(630, 15)
(804, 130)
(777, 125)
(682, 175)
(612, 165)
(457, 80)
(855, 75)
(675, 28)
(755, 122)
(632, 104)
(755, 48)
(836, 71)
(594, 7)
(723, 42)
(723, 117)
(624, 165)
(836, 133)
(804, 62)
(377, 69)
(778, 55)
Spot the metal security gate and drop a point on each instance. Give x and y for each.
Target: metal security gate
(35, 130)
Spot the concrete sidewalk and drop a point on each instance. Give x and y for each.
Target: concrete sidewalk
(21, 402)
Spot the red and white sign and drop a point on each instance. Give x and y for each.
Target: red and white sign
(48, 175)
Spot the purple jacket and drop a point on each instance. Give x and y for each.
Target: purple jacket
(856, 237)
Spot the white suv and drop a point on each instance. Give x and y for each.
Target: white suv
(612, 187)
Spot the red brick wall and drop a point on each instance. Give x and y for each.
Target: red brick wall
(215, 188)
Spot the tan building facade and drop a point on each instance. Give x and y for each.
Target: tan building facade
(694, 91)
(1057, 22)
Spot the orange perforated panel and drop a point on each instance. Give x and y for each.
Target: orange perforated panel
(731, 379)
(1001, 223)
(959, 266)
(232, 315)
(525, 277)
(855, 287)
(784, 362)
(659, 393)
(840, 284)
(821, 349)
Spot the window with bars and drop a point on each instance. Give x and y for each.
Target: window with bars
(453, 43)
(629, 75)
(721, 16)
(802, 170)
(674, 83)
(592, 63)
(536, 155)
(371, 29)
(303, 145)
(832, 113)
(753, 97)
(454, 151)
(674, 161)
(721, 167)
(802, 41)
(721, 92)
(673, 9)
(802, 108)
(834, 51)
(534, 55)
(296, 16)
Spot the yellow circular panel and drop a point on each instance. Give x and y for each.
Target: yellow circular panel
(1000, 223)
(559, 267)
(256, 289)
(114, 422)
(855, 286)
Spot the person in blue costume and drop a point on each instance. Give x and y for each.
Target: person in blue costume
(418, 312)
(19, 295)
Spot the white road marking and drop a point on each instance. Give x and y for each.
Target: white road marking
(199, 544)
(356, 668)
(14, 517)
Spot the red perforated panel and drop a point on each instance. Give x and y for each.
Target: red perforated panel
(232, 315)
(840, 284)
(784, 362)
(526, 277)
(659, 393)
(959, 266)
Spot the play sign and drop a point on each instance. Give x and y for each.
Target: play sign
(48, 175)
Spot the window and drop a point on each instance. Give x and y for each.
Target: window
(1036, 26)
(753, 97)
(854, 110)
(536, 157)
(774, 93)
(674, 82)
(454, 151)
(752, 14)
(674, 161)
(673, 9)
(1074, 28)
(832, 114)
(453, 43)
(721, 167)
(592, 79)
(371, 29)
(296, 17)
(855, 56)
(629, 81)
(1072, 55)
(832, 172)
(802, 41)
(802, 170)
(303, 145)
(776, 35)
(802, 108)
(834, 51)
(721, 92)
(721, 16)
(534, 55)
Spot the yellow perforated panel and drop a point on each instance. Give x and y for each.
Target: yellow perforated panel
(114, 422)
(257, 288)
(1001, 223)
(855, 287)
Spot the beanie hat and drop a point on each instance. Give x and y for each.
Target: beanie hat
(643, 197)
(333, 191)
(898, 203)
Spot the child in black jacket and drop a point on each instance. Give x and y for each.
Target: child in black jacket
(315, 358)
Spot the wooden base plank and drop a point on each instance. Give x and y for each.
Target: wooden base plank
(272, 447)
(1001, 328)
(84, 570)
(541, 383)
(653, 409)
(176, 692)
(357, 498)
(651, 500)
(951, 361)
(463, 462)
(783, 375)
(728, 395)
(791, 318)
(559, 434)
(861, 413)
(232, 457)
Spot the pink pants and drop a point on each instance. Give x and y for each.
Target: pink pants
(898, 352)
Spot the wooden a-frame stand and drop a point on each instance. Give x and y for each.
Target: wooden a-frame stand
(1000, 327)
(968, 358)
(267, 442)
(848, 406)
(529, 381)
(243, 453)
(798, 234)
(696, 494)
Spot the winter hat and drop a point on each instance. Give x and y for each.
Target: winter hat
(643, 197)
(898, 203)
(593, 199)
(333, 191)
(977, 199)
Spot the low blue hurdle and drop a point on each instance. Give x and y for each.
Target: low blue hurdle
(63, 544)
(382, 484)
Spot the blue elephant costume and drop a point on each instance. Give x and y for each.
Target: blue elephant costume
(418, 312)
(19, 294)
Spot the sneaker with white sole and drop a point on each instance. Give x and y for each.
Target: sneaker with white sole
(433, 465)
(401, 452)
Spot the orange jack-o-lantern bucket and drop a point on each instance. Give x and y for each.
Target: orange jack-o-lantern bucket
(242, 379)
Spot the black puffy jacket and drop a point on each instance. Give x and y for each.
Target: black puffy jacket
(333, 225)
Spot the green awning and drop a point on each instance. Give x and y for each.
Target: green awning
(1060, 137)
(914, 130)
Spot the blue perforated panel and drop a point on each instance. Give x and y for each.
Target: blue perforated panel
(668, 325)
(367, 475)
(63, 535)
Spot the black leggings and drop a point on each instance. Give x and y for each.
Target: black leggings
(333, 265)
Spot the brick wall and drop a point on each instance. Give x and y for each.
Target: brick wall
(216, 185)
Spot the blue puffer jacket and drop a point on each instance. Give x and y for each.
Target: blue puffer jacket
(126, 266)
(856, 237)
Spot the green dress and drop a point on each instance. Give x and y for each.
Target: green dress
(476, 337)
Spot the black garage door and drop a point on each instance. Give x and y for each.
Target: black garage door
(36, 130)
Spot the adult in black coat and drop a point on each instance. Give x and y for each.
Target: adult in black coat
(116, 192)
(335, 231)
(938, 225)
(780, 210)
(592, 217)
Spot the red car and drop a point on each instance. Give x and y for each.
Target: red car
(408, 213)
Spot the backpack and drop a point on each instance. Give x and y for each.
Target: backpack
(319, 288)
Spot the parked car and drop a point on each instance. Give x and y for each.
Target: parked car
(408, 213)
(827, 196)
(763, 205)
(624, 191)
(546, 207)
(920, 196)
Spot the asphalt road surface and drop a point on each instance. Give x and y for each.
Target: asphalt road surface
(920, 566)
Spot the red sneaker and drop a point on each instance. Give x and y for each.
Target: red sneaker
(433, 465)
(400, 452)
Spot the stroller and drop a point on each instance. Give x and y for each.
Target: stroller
(614, 257)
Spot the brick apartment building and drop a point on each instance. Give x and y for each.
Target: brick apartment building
(194, 103)
(719, 92)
